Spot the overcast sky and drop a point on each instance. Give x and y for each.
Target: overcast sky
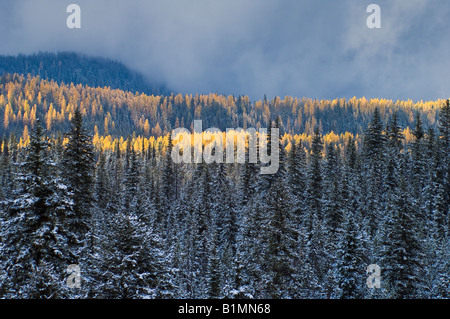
(311, 48)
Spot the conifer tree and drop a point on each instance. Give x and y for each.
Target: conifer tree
(35, 239)
(214, 270)
(332, 209)
(374, 162)
(418, 160)
(78, 165)
(315, 186)
(349, 264)
(401, 256)
(6, 177)
(278, 230)
(444, 129)
(296, 166)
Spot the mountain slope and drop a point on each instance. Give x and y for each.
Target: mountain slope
(70, 67)
(121, 113)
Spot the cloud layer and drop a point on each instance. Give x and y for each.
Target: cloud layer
(319, 49)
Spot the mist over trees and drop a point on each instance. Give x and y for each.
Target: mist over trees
(70, 67)
(87, 180)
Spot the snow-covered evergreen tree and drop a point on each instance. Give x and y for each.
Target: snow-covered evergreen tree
(35, 240)
(349, 265)
(401, 257)
(374, 163)
(78, 167)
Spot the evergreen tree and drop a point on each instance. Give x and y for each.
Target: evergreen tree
(314, 228)
(78, 165)
(6, 174)
(35, 239)
(278, 230)
(332, 209)
(213, 271)
(315, 186)
(102, 217)
(401, 258)
(135, 262)
(131, 179)
(224, 209)
(418, 153)
(249, 231)
(374, 153)
(296, 178)
(350, 260)
(444, 125)
(444, 128)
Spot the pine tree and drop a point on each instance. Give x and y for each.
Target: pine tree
(444, 125)
(401, 258)
(315, 186)
(278, 231)
(332, 209)
(131, 179)
(102, 216)
(296, 166)
(78, 165)
(333, 212)
(199, 221)
(184, 260)
(135, 262)
(169, 180)
(36, 240)
(350, 260)
(418, 153)
(6, 176)
(224, 209)
(444, 128)
(213, 276)
(248, 178)
(169, 190)
(314, 228)
(394, 134)
(249, 230)
(374, 162)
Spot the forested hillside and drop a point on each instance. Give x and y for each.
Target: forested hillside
(87, 180)
(70, 67)
(114, 114)
(140, 226)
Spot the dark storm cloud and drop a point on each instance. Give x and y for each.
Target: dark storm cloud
(319, 49)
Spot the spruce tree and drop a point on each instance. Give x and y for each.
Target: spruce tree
(315, 178)
(374, 165)
(418, 153)
(314, 228)
(35, 239)
(6, 173)
(278, 231)
(78, 165)
(296, 178)
(332, 209)
(444, 129)
(401, 256)
(350, 260)
(213, 275)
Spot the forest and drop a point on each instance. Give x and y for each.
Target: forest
(71, 67)
(114, 114)
(87, 182)
(140, 226)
